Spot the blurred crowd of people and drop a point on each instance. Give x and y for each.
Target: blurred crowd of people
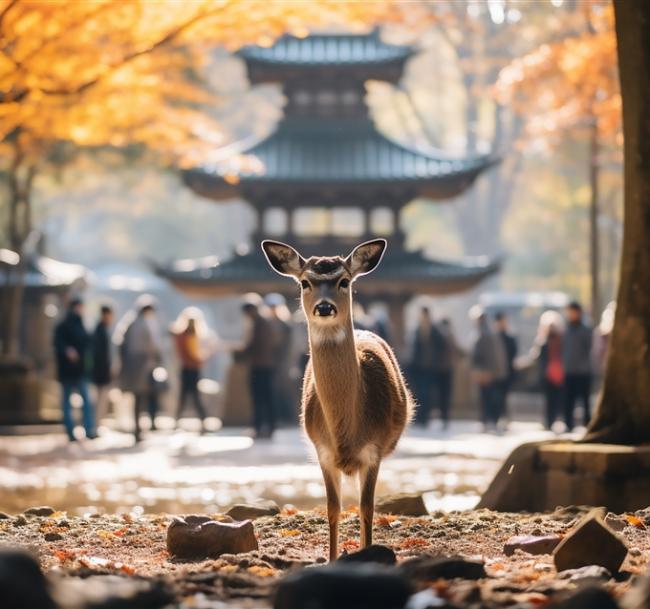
(275, 351)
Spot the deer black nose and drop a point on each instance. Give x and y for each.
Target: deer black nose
(324, 309)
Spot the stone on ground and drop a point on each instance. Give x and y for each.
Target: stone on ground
(430, 568)
(374, 553)
(586, 598)
(591, 542)
(346, 586)
(42, 510)
(195, 537)
(22, 583)
(251, 511)
(592, 573)
(403, 504)
(532, 544)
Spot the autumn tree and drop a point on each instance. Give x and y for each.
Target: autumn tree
(121, 74)
(569, 88)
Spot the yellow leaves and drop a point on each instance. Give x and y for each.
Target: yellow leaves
(288, 532)
(129, 72)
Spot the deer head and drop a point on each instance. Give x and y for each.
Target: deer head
(325, 282)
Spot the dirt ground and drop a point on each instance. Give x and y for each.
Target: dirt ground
(132, 546)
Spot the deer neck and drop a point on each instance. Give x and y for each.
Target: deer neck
(335, 364)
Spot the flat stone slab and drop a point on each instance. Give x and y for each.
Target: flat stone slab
(251, 511)
(532, 544)
(599, 459)
(591, 542)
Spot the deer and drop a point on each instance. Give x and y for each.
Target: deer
(355, 403)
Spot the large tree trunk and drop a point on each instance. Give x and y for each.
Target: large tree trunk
(623, 414)
(21, 179)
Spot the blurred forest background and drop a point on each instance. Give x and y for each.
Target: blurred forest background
(535, 81)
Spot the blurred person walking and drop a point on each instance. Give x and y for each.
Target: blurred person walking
(259, 352)
(511, 348)
(102, 370)
(71, 343)
(489, 369)
(427, 355)
(549, 344)
(141, 357)
(446, 367)
(190, 337)
(281, 326)
(576, 356)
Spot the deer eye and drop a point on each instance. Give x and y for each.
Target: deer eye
(305, 284)
(344, 283)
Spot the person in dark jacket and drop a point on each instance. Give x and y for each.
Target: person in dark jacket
(447, 365)
(511, 348)
(259, 352)
(102, 371)
(426, 360)
(489, 369)
(71, 344)
(576, 356)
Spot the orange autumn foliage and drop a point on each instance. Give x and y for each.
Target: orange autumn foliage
(570, 82)
(118, 73)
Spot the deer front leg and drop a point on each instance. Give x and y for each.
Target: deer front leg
(367, 481)
(332, 479)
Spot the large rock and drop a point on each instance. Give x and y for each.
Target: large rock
(404, 504)
(591, 542)
(251, 511)
(430, 568)
(22, 584)
(195, 537)
(347, 586)
(532, 544)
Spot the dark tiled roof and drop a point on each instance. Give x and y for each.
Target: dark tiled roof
(396, 270)
(46, 273)
(340, 151)
(328, 49)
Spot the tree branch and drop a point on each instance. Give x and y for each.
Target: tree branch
(127, 58)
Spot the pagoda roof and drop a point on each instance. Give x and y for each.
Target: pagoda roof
(342, 152)
(44, 273)
(328, 50)
(400, 274)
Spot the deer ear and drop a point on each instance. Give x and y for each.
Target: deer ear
(283, 258)
(365, 257)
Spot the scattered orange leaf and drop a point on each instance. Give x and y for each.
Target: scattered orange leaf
(288, 532)
(413, 542)
(350, 544)
(635, 521)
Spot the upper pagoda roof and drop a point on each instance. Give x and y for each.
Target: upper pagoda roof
(328, 50)
(338, 152)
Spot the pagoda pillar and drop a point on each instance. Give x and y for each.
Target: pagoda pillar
(398, 327)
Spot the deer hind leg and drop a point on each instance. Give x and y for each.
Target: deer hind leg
(332, 479)
(367, 482)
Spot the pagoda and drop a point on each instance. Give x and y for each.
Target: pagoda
(327, 179)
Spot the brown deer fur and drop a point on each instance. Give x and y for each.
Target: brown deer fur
(355, 403)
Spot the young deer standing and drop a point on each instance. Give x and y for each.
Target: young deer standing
(355, 404)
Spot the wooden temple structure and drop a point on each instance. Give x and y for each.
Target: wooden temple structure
(327, 179)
